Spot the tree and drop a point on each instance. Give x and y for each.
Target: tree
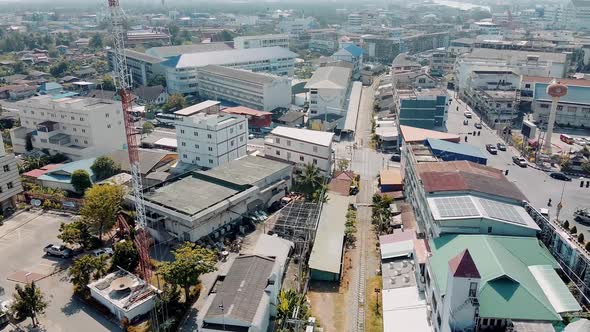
(59, 69)
(108, 83)
(175, 102)
(157, 80)
(101, 205)
(574, 230)
(565, 162)
(95, 41)
(75, 233)
(289, 300)
(343, 165)
(586, 167)
(104, 167)
(190, 262)
(81, 180)
(566, 224)
(147, 128)
(84, 270)
(29, 302)
(310, 181)
(581, 238)
(227, 35)
(19, 68)
(587, 246)
(125, 256)
(381, 211)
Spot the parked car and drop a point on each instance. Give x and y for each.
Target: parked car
(520, 161)
(468, 114)
(491, 149)
(478, 125)
(102, 251)
(501, 146)
(465, 122)
(58, 251)
(580, 141)
(396, 157)
(560, 176)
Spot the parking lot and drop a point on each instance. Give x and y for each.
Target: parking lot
(22, 239)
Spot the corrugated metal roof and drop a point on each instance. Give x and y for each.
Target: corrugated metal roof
(330, 78)
(391, 176)
(326, 254)
(193, 60)
(457, 148)
(556, 291)
(418, 135)
(507, 289)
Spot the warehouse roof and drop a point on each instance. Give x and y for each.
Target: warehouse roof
(493, 54)
(326, 254)
(239, 295)
(509, 289)
(391, 176)
(330, 78)
(242, 74)
(142, 56)
(243, 110)
(247, 170)
(414, 135)
(226, 57)
(148, 159)
(457, 148)
(305, 135)
(462, 176)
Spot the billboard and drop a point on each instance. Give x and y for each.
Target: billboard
(529, 129)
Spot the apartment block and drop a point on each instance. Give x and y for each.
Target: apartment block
(328, 88)
(210, 139)
(80, 128)
(259, 91)
(142, 67)
(301, 147)
(10, 184)
(260, 41)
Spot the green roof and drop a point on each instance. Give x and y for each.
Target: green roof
(507, 289)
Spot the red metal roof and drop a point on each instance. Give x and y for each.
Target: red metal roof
(245, 111)
(467, 176)
(398, 236)
(463, 266)
(40, 171)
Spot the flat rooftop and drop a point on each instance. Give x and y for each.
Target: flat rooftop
(247, 170)
(197, 108)
(191, 195)
(117, 288)
(415, 93)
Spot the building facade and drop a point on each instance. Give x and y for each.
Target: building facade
(10, 184)
(259, 91)
(210, 140)
(572, 109)
(328, 89)
(79, 128)
(301, 147)
(245, 42)
(422, 108)
(141, 67)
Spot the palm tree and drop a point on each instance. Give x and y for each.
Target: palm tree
(310, 181)
(29, 302)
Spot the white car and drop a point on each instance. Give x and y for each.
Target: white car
(580, 141)
(468, 114)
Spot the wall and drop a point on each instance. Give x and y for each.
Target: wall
(299, 152)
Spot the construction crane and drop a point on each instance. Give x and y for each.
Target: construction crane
(122, 82)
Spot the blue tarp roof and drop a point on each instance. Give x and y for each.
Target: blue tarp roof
(457, 148)
(354, 50)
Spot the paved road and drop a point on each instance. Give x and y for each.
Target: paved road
(535, 184)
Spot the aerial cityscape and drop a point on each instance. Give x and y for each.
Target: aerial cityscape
(295, 166)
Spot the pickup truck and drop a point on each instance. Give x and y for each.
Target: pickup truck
(57, 250)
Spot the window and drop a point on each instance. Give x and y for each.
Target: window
(288, 155)
(76, 140)
(485, 321)
(107, 115)
(1, 191)
(489, 229)
(315, 149)
(183, 143)
(278, 153)
(210, 148)
(81, 119)
(198, 158)
(10, 185)
(545, 106)
(210, 161)
(472, 289)
(196, 133)
(231, 130)
(498, 105)
(241, 126)
(85, 142)
(182, 131)
(527, 86)
(108, 126)
(72, 118)
(42, 113)
(6, 168)
(572, 109)
(560, 107)
(241, 138)
(231, 143)
(277, 140)
(585, 109)
(196, 146)
(422, 80)
(288, 143)
(184, 156)
(83, 130)
(315, 161)
(209, 136)
(302, 158)
(509, 105)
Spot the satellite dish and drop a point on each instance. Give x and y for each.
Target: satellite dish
(122, 283)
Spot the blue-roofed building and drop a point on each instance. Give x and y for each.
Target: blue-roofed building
(353, 55)
(572, 110)
(50, 88)
(449, 151)
(61, 177)
(422, 108)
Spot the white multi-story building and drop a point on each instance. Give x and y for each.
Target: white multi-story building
(355, 22)
(328, 88)
(298, 26)
(245, 42)
(211, 139)
(578, 15)
(301, 146)
(10, 184)
(79, 128)
(259, 91)
(181, 70)
(142, 67)
(487, 28)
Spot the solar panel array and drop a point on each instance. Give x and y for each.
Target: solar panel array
(502, 211)
(456, 207)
